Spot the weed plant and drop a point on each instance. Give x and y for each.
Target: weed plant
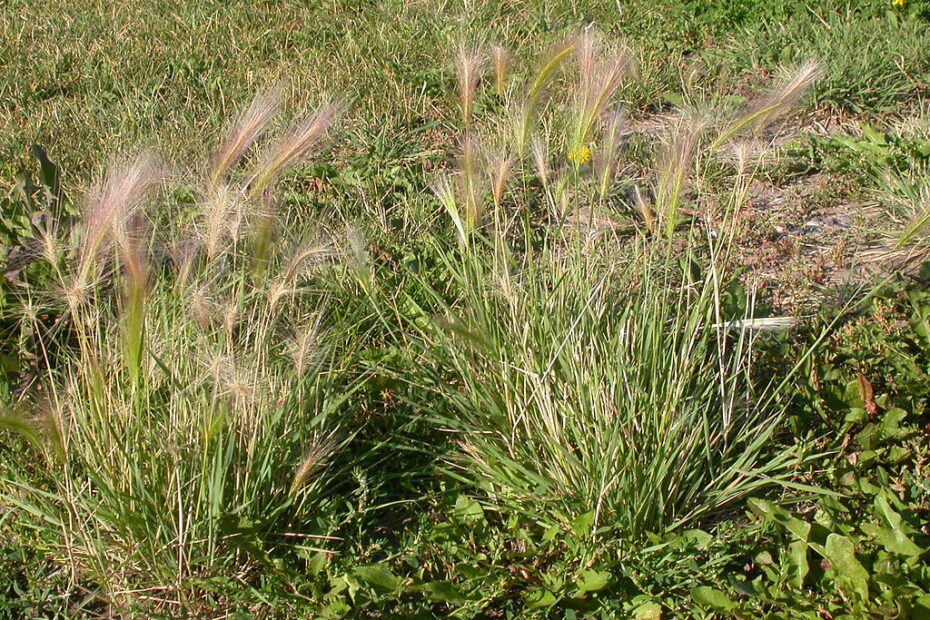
(587, 370)
(189, 398)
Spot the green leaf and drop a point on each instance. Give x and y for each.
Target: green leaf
(698, 538)
(742, 587)
(892, 518)
(551, 533)
(798, 557)
(537, 599)
(335, 609)
(709, 597)
(50, 177)
(592, 581)
(895, 541)
(674, 98)
(467, 509)
(841, 553)
(379, 577)
(764, 558)
(583, 524)
(445, 592)
(648, 611)
(872, 135)
(921, 609)
(771, 512)
(316, 563)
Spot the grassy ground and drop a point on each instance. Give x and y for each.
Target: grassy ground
(91, 80)
(663, 352)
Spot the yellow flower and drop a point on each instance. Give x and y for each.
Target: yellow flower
(898, 3)
(579, 155)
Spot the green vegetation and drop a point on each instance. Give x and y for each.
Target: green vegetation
(491, 328)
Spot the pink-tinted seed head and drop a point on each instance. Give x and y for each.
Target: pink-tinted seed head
(300, 143)
(112, 204)
(244, 132)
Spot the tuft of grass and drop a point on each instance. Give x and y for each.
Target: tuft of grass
(598, 378)
(196, 407)
(602, 384)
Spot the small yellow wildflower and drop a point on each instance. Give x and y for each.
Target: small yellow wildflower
(579, 155)
(898, 3)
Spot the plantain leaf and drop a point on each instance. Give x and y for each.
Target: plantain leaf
(841, 553)
(798, 556)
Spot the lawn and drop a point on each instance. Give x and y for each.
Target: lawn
(422, 308)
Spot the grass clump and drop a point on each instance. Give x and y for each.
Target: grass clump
(592, 372)
(586, 384)
(190, 404)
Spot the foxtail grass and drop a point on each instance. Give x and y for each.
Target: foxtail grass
(604, 380)
(675, 167)
(500, 58)
(598, 81)
(764, 112)
(469, 64)
(242, 135)
(527, 109)
(197, 410)
(603, 383)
